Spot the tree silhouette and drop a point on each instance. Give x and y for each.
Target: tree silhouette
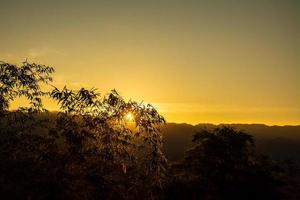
(96, 129)
(85, 151)
(225, 165)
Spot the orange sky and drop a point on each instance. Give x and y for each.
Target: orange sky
(196, 61)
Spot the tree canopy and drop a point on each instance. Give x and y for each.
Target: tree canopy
(88, 137)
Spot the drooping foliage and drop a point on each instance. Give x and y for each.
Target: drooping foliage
(26, 81)
(87, 150)
(98, 129)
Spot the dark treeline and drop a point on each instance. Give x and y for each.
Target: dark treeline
(89, 150)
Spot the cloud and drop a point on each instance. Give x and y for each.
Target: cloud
(31, 54)
(35, 53)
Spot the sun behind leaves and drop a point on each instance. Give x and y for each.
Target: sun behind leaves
(90, 132)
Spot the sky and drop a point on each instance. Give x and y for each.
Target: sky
(196, 61)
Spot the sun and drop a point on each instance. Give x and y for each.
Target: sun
(129, 117)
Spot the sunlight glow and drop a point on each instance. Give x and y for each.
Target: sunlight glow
(129, 117)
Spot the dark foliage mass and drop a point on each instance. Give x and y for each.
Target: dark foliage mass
(223, 165)
(89, 150)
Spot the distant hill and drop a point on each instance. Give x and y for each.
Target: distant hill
(279, 142)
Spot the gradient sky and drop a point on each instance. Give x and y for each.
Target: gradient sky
(196, 61)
